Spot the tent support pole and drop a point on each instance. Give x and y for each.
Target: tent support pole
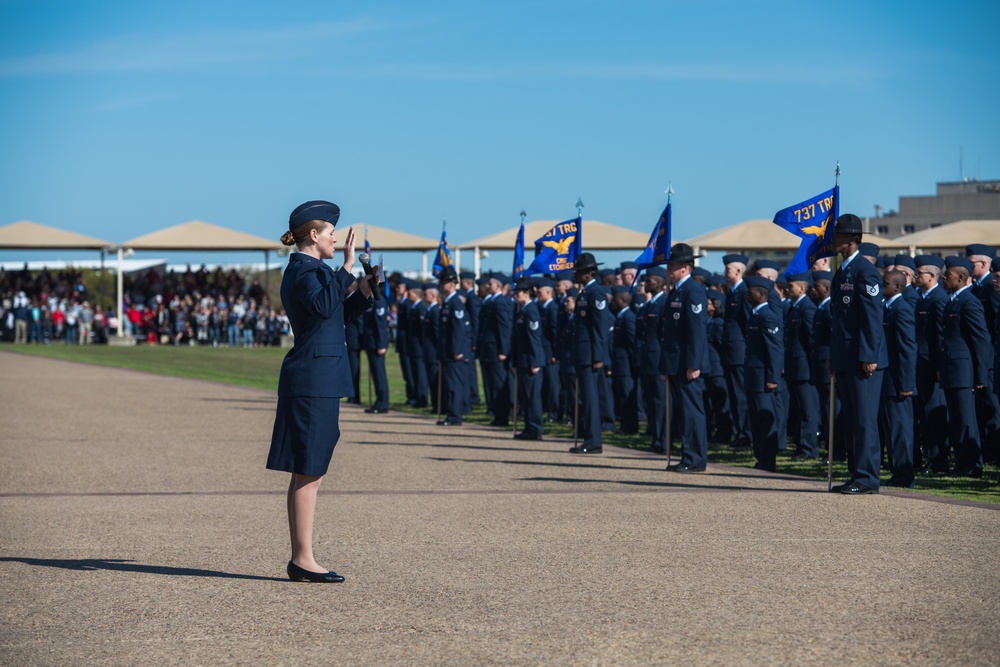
(121, 290)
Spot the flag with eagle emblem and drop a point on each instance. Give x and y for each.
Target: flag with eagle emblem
(558, 249)
(443, 257)
(812, 221)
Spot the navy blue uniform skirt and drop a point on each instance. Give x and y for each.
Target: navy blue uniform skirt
(306, 430)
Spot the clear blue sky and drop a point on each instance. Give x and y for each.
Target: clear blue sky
(119, 118)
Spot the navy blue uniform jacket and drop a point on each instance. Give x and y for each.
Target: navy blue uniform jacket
(454, 329)
(564, 350)
(403, 326)
(431, 330)
(313, 296)
(986, 291)
(624, 355)
(856, 307)
(901, 345)
(529, 351)
(966, 349)
(647, 335)
(473, 304)
(765, 350)
(683, 329)
(495, 327)
(415, 315)
(929, 318)
(550, 327)
(822, 327)
(735, 327)
(375, 335)
(716, 335)
(353, 331)
(591, 323)
(798, 340)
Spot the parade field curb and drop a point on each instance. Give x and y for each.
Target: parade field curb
(139, 526)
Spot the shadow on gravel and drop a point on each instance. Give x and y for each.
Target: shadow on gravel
(438, 444)
(131, 566)
(661, 485)
(605, 466)
(544, 464)
(453, 434)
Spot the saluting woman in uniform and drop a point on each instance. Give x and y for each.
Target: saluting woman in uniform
(314, 374)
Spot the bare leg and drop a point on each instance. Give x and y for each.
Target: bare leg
(302, 490)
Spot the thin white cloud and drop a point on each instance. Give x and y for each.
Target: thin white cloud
(190, 50)
(234, 47)
(741, 73)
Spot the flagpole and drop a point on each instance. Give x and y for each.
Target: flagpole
(666, 378)
(833, 388)
(576, 398)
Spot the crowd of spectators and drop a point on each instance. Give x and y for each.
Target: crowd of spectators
(218, 308)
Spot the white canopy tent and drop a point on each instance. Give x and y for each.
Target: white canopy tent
(953, 236)
(762, 236)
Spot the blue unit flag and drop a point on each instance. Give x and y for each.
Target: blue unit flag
(658, 248)
(558, 249)
(518, 269)
(443, 257)
(813, 222)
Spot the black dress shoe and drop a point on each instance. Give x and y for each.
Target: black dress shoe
(856, 489)
(586, 449)
(658, 450)
(501, 424)
(741, 444)
(377, 411)
(975, 473)
(836, 488)
(899, 483)
(684, 467)
(296, 573)
(528, 436)
(448, 422)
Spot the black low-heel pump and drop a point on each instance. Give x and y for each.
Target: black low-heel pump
(296, 573)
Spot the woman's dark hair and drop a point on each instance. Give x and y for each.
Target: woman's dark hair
(301, 233)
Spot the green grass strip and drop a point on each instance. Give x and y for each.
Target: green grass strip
(258, 368)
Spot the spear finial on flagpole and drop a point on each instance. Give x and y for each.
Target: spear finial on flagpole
(836, 174)
(579, 207)
(669, 191)
(522, 216)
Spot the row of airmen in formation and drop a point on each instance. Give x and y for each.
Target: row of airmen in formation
(745, 358)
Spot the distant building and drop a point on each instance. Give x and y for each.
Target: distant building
(965, 200)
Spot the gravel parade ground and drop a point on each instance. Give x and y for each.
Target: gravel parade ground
(138, 526)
